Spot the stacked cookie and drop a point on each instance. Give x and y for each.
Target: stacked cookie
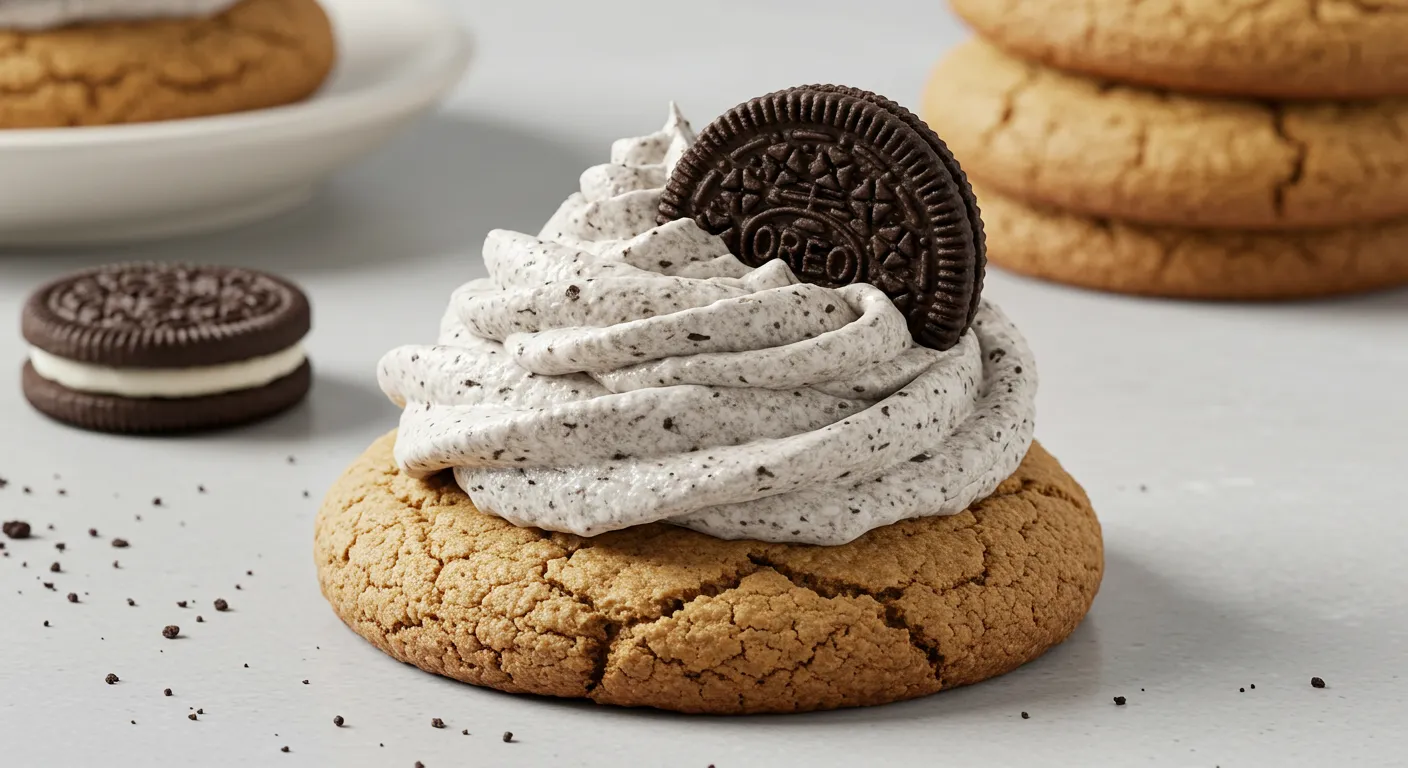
(1209, 149)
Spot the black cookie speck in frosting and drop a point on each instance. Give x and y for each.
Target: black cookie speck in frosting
(847, 187)
(166, 316)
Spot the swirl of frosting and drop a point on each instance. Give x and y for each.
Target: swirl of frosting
(610, 372)
(46, 14)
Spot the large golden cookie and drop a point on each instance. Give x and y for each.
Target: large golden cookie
(664, 617)
(1110, 255)
(260, 53)
(1270, 48)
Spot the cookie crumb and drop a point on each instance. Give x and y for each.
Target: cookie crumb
(1119, 701)
(130, 601)
(436, 722)
(283, 749)
(192, 716)
(1252, 686)
(166, 692)
(465, 732)
(121, 543)
(508, 736)
(338, 721)
(116, 564)
(93, 532)
(1026, 716)
(180, 603)
(61, 546)
(305, 682)
(46, 622)
(73, 597)
(170, 631)
(419, 764)
(200, 619)
(17, 529)
(156, 502)
(220, 604)
(111, 679)
(1241, 690)
(1316, 682)
(56, 568)
(200, 711)
(200, 489)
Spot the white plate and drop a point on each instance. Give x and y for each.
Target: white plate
(109, 184)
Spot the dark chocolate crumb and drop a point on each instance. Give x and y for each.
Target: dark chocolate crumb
(46, 622)
(170, 631)
(130, 601)
(201, 711)
(120, 543)
(93, 532)
(56, 568)
(221, 605)
(61, 546)
(156, 502)
(200, 619)
(436, 722)
(63, 492)
(305, 494)
(1252, 686)
(338, 721)
(1119, 701)
(111, 679)
(200, 489)
(246, 666)
(292, 460)
(305, 682)
(116, 564)
(72, 597)
(283, 749)
(238, 587)
(465, 732)
(419, 764)
(180, 603)
(166, 692)
(49, 585)
(249, 573)
(1026, 716)
(1241, 690)
(191, 716)
(16, 529)
(1316, 682)
(508, 736)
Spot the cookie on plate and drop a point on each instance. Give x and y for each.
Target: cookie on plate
(1110, 255)
(1103, 150)
(152, 348)
(163, 65)
(1271, 48)
(663, 617)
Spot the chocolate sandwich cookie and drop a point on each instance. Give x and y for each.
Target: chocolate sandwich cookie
(846, 187)
(149, 348)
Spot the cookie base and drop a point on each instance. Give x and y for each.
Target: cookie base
(1109, 255)
(126, 415)
(658, 616)
(257, 54)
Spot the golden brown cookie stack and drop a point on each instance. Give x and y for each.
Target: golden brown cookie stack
(1220, 149)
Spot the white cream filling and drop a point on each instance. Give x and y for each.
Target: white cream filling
(167, 382)
(46, 14)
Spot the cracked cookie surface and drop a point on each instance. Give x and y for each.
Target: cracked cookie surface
(1110, 255)
(664, 617)
(258, 54)
(1268, 48)
(1141, 155)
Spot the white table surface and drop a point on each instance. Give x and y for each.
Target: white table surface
(1247, 462)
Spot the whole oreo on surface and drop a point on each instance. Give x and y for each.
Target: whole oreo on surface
(847, 187)
(144, 347)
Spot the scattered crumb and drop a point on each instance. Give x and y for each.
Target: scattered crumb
(1316, 682)
(166, 692)
(192, 716)
(220, 605)
(508, 736)
(121, 543)
(111, 679)
(436, 722)
(1026, 716)
(1119, 701)
(170, 631)
(73, 597)
(338, 721)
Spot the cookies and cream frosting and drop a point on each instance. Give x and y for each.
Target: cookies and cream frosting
(611, 372)
(46, 14)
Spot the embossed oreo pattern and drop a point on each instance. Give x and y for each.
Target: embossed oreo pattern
(166, 316)
(845, 187)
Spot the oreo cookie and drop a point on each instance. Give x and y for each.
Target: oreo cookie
(154, 348)
(847, 187)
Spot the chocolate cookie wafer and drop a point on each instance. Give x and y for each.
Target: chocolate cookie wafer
(846, 186)
(143, 348)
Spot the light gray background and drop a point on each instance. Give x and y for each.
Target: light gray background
(1247, 462)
